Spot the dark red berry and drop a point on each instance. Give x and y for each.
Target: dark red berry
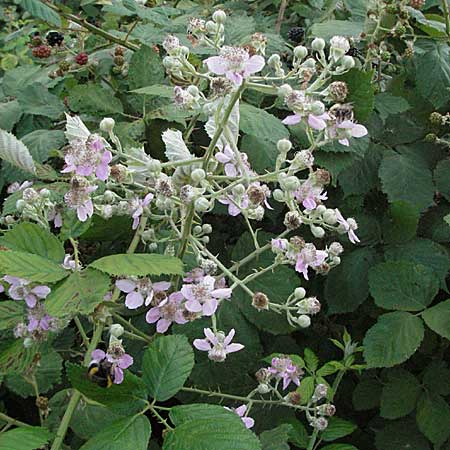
(54, 38)
(42, 51)
(82, 59)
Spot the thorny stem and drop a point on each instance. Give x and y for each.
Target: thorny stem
(280, 17)
(12, 421)
(131, 327)
(82, 332)
(249, 398)
(312, 439)
(34, 383)
(158, 416)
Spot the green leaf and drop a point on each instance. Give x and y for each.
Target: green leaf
(11, 313)
(405, 177)
(403, 285)
(24, 438)
(80, 293)
(130, 433)
(306, 389)
(433, 417)
(38, 9)
(367, 394)
(339, 447)
(387, 104)
(311, 360)
(226, 433)
(400, 224)
(438, 318)
(47, 372)
(72, 227)
(261, 124)
(330, 28)
(298, 434)
(399, 395)
(393, 339)
(15, 80)
(277, 438)
(167, 363)
(361, 91)
(425, 252)
(337, 428)
(93, 98)
(185, 413)
(139, 264)
(15, 152)
(41, 142)
(31, 238)
(10, 114)
(126, 398)
(159, 90)
(401, 434)
(436, 377)
(31, 267)
(442, 178)
(35, 99)
(433, 72)
(14, 357)
(346, 286)
(145, 69)
(261, 152)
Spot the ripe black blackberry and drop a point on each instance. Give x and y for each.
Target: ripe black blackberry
(296, 34)
(353, 51)
(54, 38)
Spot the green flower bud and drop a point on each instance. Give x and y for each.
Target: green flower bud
(318, 44)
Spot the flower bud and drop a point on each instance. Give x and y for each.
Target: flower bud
(238, 190)
(310, 63)
(108, 196)
(321, 209)
(278, 195)
(219, 16)
(154, 166)
(284, 90)
(299, 293)
(293, 398)
(260, 301)
(107, 124)
(303, 321)
(320, 392)
(202, 204)
(300, 52)
(274, 60)
(29, 194)
(211, 26)
(348, 62)
(44, 193)
(263, 388)
(184, 51)
(205, 239)
(198, 175)
(317, 108)
(317, 232)
(318, 44)
(290, 183)
(20, 205)
(335, 249)
(284, 145)
(329, 217)
(116, 330)
(193, 90)
(197, 229)
(28, 342)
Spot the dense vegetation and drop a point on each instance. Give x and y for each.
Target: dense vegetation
(242, 204)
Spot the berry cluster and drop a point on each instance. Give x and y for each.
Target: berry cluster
(54, 38)
(82, 59)
(296, 34)
(41, 51)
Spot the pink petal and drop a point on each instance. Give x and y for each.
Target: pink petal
(153, 315)
(254, 64)
(217, 64)
(193, 306)
(230, 170)
(102, 172)
(126, 285)
(235, 77)
(248, 422)
(41, 291)
(359, 131)
(241, 410)
(30, 300)
(294, 119)
(210, 335)
(230, 336)
(210, 307)
(309, 203)
(202, 344)
(222, 293)
(126, 361)
(161, 286)
(118, 375)
(163, 325)
(222, 158)
(344, 142)
(234, 348)
(316, 123)
(147, 199)
(98, 355)
(134, 300)
(82, 213)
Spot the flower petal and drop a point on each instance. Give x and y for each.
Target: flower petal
(98, 355)
(126, 285)
(359, 131)
(202, 344)
(125, 361)
(254, 64)
(163, 325)
(293, 119)
(134, 300)
(217, 64)
(153, 315)
(210, 307)
(234, 348)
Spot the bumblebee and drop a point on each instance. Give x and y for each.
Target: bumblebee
(341, 112)
(101, 373)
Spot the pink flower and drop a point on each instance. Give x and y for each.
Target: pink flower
(117, 357)
(231, 167)
(203, 296)
(348, 226)
(39, 320)
(140, 291)
(16, 186)
(137, 208)
(316, 122)
(284, 369)
(235, 204)
(19, 289)
(279, 245)
(310, 195)
(169, 310)
(346, 129)
(240, 411)
(309, 256)
(79, 198)
(86, 157)
(235, 63)
(217, 344)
